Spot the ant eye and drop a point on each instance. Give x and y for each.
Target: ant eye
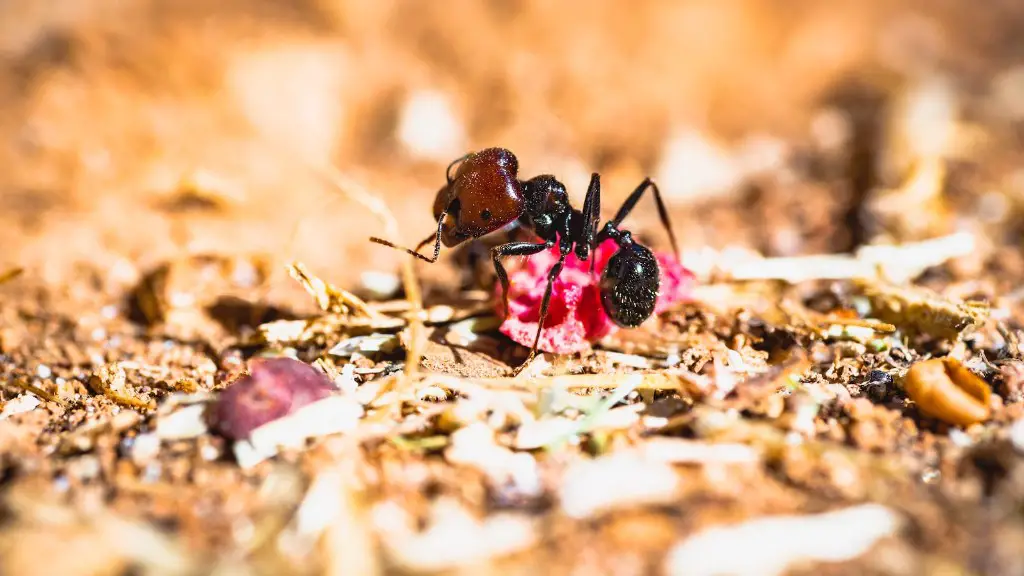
(486, 214)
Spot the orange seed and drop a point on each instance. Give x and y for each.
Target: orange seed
(944, 389)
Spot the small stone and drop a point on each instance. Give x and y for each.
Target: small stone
(184, 423)
(1017, 435)
(21, 404)
(145, 448)
(275, 388)
(124, 420)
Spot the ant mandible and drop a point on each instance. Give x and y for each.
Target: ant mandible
(485, 195)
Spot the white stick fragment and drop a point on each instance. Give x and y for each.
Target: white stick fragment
(773, 545)
(331, 415)
(454, 537)
(364, 345)
(619, 480)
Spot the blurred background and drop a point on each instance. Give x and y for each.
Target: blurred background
(137, 131)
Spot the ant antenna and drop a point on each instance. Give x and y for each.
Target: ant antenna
(416, 251)
(448, 171)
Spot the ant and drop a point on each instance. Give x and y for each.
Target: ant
(486, 195)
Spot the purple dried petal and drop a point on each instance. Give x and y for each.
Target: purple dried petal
(274, 388)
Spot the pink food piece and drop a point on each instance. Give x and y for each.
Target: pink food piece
(274, 388)
(575, 315)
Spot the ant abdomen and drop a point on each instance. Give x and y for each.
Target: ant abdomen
(629, 285)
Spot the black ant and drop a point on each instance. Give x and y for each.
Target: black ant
(485, 195)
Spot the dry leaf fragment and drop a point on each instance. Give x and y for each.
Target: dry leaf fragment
(946, 390)
(916, 310)
(329, 297)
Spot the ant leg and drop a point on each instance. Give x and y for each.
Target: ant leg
(416, 251)
(513, 249)
(448, 171)
(631, 201)
(552, 274)
(586, 245)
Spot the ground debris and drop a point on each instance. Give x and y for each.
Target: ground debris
(945, 389)
(432, 549)
(328, 297)
(620, 480)
(918, 311)
(112, 381)
(773, 545)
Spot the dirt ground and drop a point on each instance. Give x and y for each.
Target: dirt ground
(165, 161)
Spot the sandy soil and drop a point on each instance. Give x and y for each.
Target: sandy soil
(164, 161)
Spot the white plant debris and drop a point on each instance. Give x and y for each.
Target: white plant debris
(618, 480)
(365, 345)
(631, 360)
(453, 538)
(537, 433)
(475, 446)
(467, 332)
(19, 405)
(346, 380)
(184, 423)
(331, 415)
(1017, 435)
(685, 451)
(775, 544)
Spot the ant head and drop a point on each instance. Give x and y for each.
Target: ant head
(484, 196)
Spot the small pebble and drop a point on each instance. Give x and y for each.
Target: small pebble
(44, 371)
(275, 388)
(1017, 435)
(21, 404)
(209, 452)
(184, 423)
(145, 448)
(152, 472)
